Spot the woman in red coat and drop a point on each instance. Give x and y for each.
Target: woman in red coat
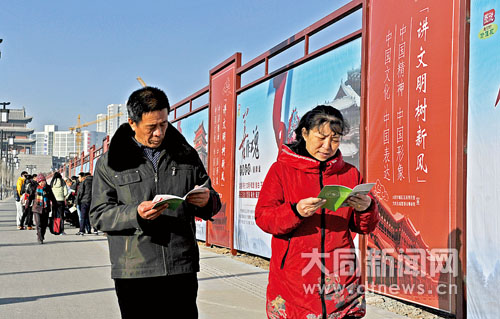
(313, 272)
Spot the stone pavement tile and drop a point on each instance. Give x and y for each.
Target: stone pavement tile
(229, 288)
(55, 279)
(67, 277)
(233, 289)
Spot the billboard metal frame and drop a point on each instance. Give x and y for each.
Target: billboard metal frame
(459, 302)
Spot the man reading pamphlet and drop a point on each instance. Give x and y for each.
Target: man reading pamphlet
(149, 247)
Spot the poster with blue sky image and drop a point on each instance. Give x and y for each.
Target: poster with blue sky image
(483, 152)
(267, 115)
(189, 127)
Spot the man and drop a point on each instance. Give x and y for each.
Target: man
(83, 200)
(19, 193)
(153, 251)
(33, 184)
(27, 218)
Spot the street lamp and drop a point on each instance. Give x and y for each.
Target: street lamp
(5, 112)
(31, 167)
(4, 118)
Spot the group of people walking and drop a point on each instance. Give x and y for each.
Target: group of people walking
(41, 204)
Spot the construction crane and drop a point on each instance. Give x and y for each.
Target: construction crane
(78, 127)
(141, 81)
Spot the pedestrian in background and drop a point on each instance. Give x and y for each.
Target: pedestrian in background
(60, 191)
(29, 184)
(43, 201)
(288, 208)
(151, 246)
(73, 217)
(18, 194)
(83, 199)
(24, 200)
(79, 180)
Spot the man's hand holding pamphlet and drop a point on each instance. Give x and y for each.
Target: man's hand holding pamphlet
(173, 200)
(336, 195)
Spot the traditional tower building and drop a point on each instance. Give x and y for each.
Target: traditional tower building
(200, 144)
(14, 135)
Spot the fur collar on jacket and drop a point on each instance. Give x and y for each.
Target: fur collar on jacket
(124, 153)
(311, 165)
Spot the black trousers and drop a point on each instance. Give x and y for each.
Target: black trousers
(42, 221)
(27, 216)
(158, 297)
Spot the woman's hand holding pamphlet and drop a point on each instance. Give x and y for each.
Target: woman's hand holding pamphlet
(336, 195)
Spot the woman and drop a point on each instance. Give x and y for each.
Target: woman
(313, 272)
(41, 196)
(60, 191)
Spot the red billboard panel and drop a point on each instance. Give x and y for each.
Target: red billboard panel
(223, 85)
(411, 153)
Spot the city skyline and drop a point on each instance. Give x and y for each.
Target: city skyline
(75, 59)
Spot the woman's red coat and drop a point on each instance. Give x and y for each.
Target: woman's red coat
(295, 268)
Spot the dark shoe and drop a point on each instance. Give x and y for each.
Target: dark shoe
(40, 241)
(79, 233)
(20, 228)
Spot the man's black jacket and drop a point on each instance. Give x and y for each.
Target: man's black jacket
(84, 194)
(124, 178)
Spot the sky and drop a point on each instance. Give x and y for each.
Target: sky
(61, 58)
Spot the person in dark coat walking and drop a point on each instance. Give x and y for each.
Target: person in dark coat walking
(151, 246)
(24, 198)
(30, 186)
(83, 199)
(72, 215)
(43, 201)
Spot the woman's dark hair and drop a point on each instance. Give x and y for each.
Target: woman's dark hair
(56, 176)
(145, 100)
(318, 116)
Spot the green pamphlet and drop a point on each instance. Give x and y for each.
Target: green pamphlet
(336, 195)
(173, 200)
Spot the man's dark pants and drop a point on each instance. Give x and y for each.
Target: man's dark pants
(27, 217)
(84, 218)
(158, 297)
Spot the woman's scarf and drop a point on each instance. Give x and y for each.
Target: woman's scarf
(40, 199)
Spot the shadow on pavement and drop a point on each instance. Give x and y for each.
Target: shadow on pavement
(212, 257)
(5, 301)
(232, 275)
(49, 270)
(47, 241)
